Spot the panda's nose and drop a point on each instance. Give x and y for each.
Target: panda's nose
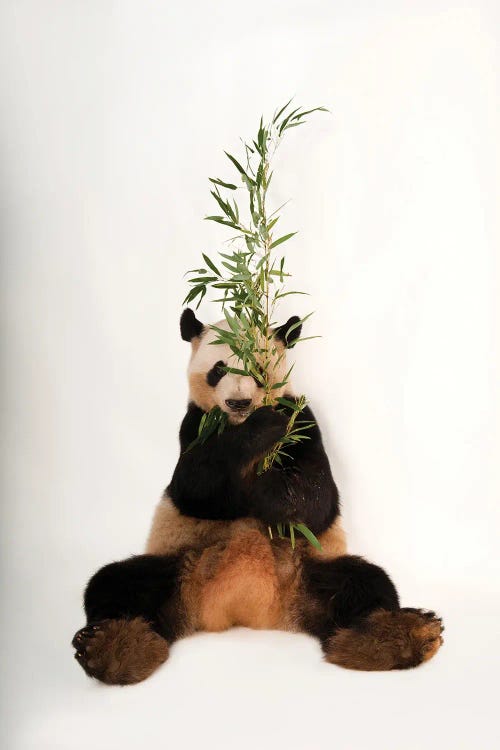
(240, 404)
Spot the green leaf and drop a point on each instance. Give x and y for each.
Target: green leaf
(308, 535)
(193, 293)
(229, 185)
(235, 371)
(230, 266)
(236, 163)
(222, 220)
(286, 120)
(286, 402)
(202, 279)
(231, 322)
(239, 168)
(282, 239)
(203, 292)
(305, 338)
(202, 423)
(285, 294)
(210, 422)
(224, 206)
(309, 111)
(276, 117)
(211, 265)
(275, 386)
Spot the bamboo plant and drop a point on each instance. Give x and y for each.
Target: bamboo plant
(249, 281)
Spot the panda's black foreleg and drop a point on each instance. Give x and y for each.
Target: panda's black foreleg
(352, 606)
(133, 613)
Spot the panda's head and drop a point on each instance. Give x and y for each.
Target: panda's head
(209, 385)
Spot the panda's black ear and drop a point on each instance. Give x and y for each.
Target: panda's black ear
(190, 325)
(289, 332)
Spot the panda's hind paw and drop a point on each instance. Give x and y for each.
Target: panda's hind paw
(119, 652)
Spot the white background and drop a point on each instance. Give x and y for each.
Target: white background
(113, 116)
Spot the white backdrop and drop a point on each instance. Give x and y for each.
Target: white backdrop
(113, 116)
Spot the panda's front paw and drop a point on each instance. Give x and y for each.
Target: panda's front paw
(267, 425)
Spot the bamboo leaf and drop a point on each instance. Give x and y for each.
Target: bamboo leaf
(231, 322)
(305, 338)
(286, 402)
(236, 163)
(287, 119)
(275, 386)
(228, 185)
(276, 117)
(282, 239)
(203, 292)
(308, 535)
(202, 279)
(235, 371)
(240, 169)
(210, 264)
(310, 111)
(224, 206)
(222, 220)
(285, 294)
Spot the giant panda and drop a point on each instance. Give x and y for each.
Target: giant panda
(210, 562)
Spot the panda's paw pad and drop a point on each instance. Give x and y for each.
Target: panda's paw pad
(88, 642)
(82, 635)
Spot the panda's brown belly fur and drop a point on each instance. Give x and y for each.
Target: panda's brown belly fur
(235, 583)
(234, 574)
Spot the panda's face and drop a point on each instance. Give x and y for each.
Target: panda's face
(210, 385)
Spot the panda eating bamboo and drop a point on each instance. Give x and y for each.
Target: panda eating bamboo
(210, 562)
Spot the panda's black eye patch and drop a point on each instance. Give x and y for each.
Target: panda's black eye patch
(216, 373)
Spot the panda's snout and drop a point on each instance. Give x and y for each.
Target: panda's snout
(238, 404)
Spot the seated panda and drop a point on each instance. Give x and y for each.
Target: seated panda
(211, 563)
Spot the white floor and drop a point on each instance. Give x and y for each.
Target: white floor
(248, 689)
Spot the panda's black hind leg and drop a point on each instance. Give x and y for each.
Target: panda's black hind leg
(133, 613)
(352, 606)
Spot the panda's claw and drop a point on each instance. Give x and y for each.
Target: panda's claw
(89, 631)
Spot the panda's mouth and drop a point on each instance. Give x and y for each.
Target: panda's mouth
(237, 417)
(239, 408)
